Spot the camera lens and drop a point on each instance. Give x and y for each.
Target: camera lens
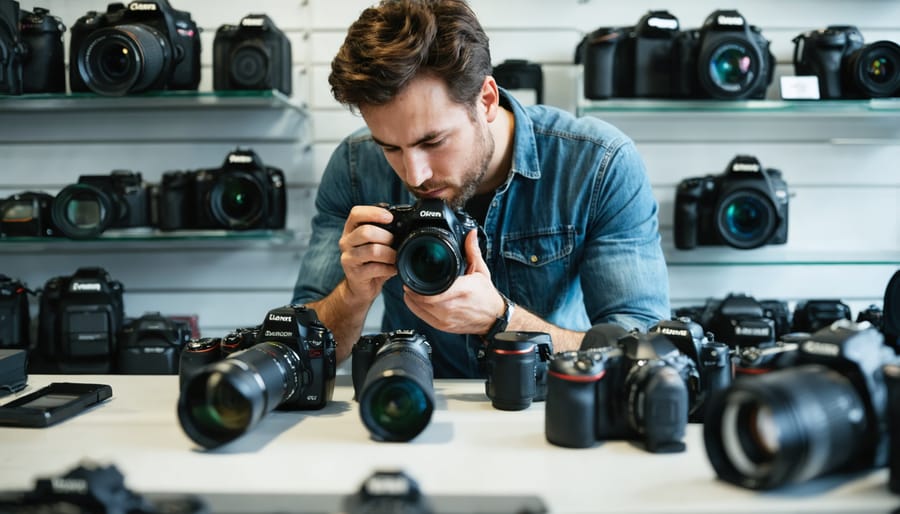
(123, 59)
(82, 211)
(730, 70)
(876, 69)
(784, 426)
(237, 200)
(429, 260)
(745, 219)
(250, 66)
(397, 396)
(657, 405)
(222, 401)
(512, 358)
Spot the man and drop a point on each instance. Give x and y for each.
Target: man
(569, 217)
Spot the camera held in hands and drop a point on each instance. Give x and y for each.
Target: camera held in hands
(144, 46)
(291, 366)
(393, 381)
(745, 207)
(824, 412)
(255, 54)
(429, 238)
(242, 194)
(636, 389)
(515, 364)
(845, 66)
(95, 203)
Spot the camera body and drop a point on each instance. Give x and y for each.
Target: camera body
(15, 320)
(745, 207)
(845, 66)
(725, 59)
(96, 203)
(632, 62)
(521, 74)
(11, 49)
(43, 63)
(635, 389)
(79, 318)
(27, 214)
(144, 46)
(393, 381)
(813, 315)
(712, 370)
(151, 345)
(255, 54)
(429, 238)
(825, 410)
(242, 194)
(515, 365)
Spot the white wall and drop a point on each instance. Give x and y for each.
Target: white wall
(844, 239)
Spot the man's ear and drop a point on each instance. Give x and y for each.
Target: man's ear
(490, 98)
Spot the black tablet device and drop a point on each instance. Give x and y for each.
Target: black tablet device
(53, 403)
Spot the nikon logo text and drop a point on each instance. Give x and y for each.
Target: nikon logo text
(80, 287)
(429, 214)
(252, 22)
(736, 21)
(751, 331)
(831, 350)
(278, 317)
(277, 333)
(675, 332)
(240, 159)
(139, 6)
(69, 485)
(387, 486)
(663, 23)
(745, 167)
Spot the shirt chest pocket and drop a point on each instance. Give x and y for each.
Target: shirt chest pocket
(539, 267)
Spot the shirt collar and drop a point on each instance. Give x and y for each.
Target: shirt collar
(525, 158)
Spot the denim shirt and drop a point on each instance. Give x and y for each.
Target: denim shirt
(572, 235)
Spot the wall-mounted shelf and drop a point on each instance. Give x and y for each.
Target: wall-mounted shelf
(141, 238)
(771, 256)
(154, 100)
(829, 108)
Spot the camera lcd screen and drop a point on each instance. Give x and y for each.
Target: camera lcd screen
(49, 401)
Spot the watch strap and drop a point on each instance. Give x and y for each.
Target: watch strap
(502, 321)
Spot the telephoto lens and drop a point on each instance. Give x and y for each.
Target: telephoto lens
(517, 369)
(393, 380)
(222, 401)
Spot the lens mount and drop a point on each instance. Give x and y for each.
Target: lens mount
(250, 65)
(730, 68)
(124, 59)
(82, 211)
(429, 260)
(237, 200)
(785, 426)
(875, 69)
(746, 218)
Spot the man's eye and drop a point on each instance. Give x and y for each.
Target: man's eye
(437, 142)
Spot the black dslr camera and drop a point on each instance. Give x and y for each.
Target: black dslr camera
(845, 66)
(635, 389)
(744, 207)
(712, 370)
(725, 59)
(144, 46)
(291, 366)
(151, 345)
(635, 61)
(813, 315)
(825, 412)
(27, 214)
(516, 74)
(79, 318)
(429, 237)
(254, 54)
(242, 194)
(516, 364)
(95, 203)
(15, 320)
(11, 49)
(394, 383)
(43, 66)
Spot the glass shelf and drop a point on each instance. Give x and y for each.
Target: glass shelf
(146, 237)
(171, 99)
(875, 106)
(767, 256)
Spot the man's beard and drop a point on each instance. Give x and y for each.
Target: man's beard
(474, 176)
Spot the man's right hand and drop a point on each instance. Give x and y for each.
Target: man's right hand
(366, 254)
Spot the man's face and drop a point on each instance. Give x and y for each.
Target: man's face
(439, 148)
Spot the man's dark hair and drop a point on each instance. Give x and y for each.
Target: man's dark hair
(398, 40)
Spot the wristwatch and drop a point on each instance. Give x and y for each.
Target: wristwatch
(502, 321)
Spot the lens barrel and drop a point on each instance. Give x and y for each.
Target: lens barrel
(124, 59)
(512, 356)
(397, 397)
(222, 401)
(82, 211)
(746, 219)
(429, 260)
(784, 426)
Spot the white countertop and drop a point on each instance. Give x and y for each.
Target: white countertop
(468, 448)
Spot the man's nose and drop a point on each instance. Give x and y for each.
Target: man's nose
(417, 167)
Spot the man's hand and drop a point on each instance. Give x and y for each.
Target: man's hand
(472, 303)
(366, 255)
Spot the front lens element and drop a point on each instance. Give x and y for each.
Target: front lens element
(876, 69)
(746, 219)
(250, 66)
(237, 201)
(429, 260)
(731, 68)
(82, 211)
(124, 59)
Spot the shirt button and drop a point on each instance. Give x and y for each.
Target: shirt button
(534, 259)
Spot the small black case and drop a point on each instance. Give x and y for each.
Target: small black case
(13, 376)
